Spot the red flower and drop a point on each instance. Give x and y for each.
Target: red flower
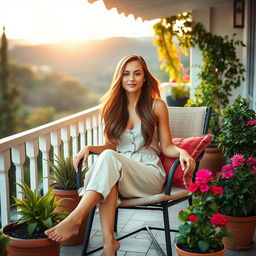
(216, 190)
(218, 219)
(193, 187)
(204, 187)
(251, 122)
(204, 176)
(192, 218)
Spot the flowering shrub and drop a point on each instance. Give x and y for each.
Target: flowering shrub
(238, 179)
(204, 227)
(238, 130)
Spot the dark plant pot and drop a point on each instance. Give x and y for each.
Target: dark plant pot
(180, 252)
(31, 247)
(69, 205)
(179, 102)
(242, 230)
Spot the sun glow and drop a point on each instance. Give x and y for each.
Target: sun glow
(47, 21)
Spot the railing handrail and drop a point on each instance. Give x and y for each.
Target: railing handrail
(30, 134)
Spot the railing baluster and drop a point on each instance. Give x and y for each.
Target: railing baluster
(5, 165)
(18, 158)
(82, 131)
(65, 139)
(74, 136)
(100, 130)
(44, 146)
(95, 133)
(89, 138)
(55, 142)
(32, 153)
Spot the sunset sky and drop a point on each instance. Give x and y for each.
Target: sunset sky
(45, 21)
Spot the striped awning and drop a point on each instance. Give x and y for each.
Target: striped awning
(153, 9)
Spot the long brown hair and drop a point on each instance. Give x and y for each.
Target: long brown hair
(115, 107)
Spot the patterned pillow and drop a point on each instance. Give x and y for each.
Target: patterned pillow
(194, 146)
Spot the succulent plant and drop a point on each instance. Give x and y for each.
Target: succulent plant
(63, 174)
(36, 210)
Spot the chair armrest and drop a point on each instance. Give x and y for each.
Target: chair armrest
(170, 176)
(78, 173)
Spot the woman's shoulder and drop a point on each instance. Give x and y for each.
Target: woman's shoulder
(159, 104)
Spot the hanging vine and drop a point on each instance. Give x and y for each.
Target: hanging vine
(221, 71)
(164, 38)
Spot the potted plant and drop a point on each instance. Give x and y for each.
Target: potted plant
(4, 240)
(36, 213)
(64, 183)
(203, 226)
(238, 129)
(238, 202)
(179, 94)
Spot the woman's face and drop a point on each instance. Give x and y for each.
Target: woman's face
(133, 77)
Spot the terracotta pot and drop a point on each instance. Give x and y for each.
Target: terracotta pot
(69, 205)
(31, 247)
(212, 160)
(242, 230)
(184, 253)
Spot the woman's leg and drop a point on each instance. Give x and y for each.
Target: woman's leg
(70, 225)
(107, 210)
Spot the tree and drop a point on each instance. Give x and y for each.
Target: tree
(9, 94)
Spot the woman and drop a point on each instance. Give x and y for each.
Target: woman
(136, 130)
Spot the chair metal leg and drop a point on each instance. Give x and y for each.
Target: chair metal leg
(167, 231)
(116, 220)
(88, 231)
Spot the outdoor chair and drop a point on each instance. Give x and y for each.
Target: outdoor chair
(189, 127)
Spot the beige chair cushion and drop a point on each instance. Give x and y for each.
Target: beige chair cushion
(186, 121)
(176, 193)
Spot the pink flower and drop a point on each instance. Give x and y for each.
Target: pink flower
(237, 159)
(204, 176)
(216, 190)
(227, 167)
(218, 219)
(204, 187)
(192, 217)
(252, 159)
(254, 169)
(228, 174)
(193, 187)
(251, 122)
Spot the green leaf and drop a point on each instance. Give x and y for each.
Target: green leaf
(185, 228)
(31, 228)
(48, 222)
(203, 245)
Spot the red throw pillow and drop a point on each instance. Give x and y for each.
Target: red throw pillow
(194, 146)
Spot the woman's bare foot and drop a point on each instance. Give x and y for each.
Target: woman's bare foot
(64, 230)
(110, 247)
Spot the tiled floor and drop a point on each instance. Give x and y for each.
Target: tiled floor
(139, 244)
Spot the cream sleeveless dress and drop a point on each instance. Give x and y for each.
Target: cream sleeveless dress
(137, 170)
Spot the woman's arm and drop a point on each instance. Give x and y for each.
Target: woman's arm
(84, 152)
(167, 147)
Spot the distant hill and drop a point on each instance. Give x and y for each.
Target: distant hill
(91, 62)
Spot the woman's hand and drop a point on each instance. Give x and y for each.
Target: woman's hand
(188, 164)
(83, 153)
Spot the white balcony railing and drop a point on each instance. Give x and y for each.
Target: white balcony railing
(21, 150)
(68, 134)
